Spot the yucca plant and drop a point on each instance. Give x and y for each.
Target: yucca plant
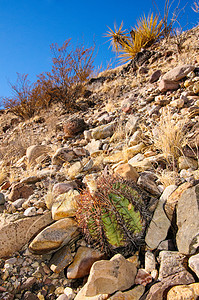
(145, 33)
(114, 219)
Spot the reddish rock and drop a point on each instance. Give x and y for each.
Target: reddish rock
(20, 190)
(83, 260)
(74, 126)
(165, 85)
(143, 277)
(178, 73)
(159, 290)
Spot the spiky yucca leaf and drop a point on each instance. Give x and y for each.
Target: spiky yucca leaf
(117, 37)
(149, 29)
(145, 33)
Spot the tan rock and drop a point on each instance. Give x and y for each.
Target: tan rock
(103, 131)
(173, 199)
(65, 205)
(132, 151)
(16, 233)
(134, 294)
(83, 260)
(34, 151)
(141, 166)
(196, 87)
(127, 172)
(63, 155)
(106, 277)
(181, 292)
(54, 236)
(75, 169)
(187, 162)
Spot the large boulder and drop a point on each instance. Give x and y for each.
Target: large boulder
(106, 277)
(16, 233)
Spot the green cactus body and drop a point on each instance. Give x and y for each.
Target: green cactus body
(115, 217)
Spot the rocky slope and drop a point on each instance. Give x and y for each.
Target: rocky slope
(139, 121)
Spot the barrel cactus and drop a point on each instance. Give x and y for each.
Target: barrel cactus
(115, 217)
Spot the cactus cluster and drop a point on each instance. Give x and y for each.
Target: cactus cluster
(115, 217)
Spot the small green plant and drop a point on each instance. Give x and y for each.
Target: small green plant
(115, 217)
(145, 33)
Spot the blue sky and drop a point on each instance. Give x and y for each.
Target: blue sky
(28, 28)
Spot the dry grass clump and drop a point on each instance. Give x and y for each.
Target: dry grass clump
(169, 136)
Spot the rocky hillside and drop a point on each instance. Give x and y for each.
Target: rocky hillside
(127, 164)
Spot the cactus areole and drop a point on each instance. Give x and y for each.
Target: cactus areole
(114, 219)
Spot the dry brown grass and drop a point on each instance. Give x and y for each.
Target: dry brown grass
(169, 137)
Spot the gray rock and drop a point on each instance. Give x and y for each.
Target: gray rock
(158, 228)
(171, 262)
(188, 221)
(2, 199)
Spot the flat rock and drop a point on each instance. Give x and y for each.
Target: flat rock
(20, 232)
(83, 260)
(188, 221)
(54, 236)
(63, 187)
(178, 72)
(171, 262)
(61, 259)
(173, 199)
(166, 85)
(159, 226)
(148, 184)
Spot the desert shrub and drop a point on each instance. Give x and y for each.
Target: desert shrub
(22, 104)
(145, 33)
(65, 83)
(115, 217)
(71, 68)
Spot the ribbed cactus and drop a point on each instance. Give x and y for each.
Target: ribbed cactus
(115, 217)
